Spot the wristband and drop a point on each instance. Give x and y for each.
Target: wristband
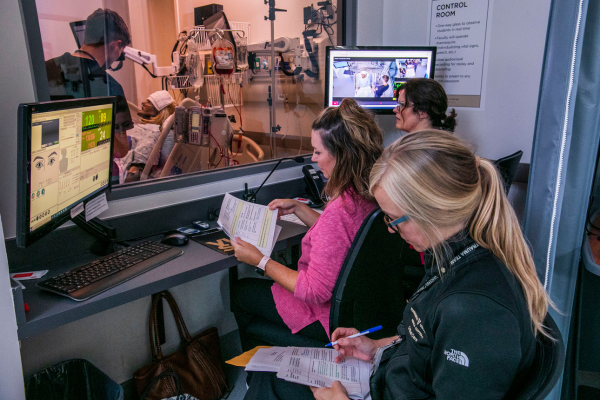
(260, 268)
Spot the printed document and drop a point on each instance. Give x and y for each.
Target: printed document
(314, 367)
(250, 222)
(268, 360)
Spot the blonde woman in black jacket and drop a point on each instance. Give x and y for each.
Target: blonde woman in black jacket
(470, 329)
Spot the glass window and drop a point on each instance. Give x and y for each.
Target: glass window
(153, 55)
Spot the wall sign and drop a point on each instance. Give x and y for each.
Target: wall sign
(459, 30)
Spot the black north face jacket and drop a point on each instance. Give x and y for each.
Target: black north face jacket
(467, 336)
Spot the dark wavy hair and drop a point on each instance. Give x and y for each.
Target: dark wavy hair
(429, 96)
(351, 136)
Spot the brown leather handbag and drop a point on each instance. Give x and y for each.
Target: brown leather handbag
(195, 369)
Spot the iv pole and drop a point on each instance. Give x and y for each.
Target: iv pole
(272, 91)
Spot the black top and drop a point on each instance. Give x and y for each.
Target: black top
(468, 336)
(71, 77)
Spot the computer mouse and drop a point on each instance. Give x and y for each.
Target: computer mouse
(175, 239)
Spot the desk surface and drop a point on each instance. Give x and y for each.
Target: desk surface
(48, 311)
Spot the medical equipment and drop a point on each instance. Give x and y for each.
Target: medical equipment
(143, 58)
(292, 57)
(194, 124)
(203, 142)
(241, 56)
(223, 56)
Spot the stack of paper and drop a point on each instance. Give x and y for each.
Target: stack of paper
(250, 222)
(314, 367)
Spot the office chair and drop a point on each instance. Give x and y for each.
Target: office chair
(547, 365)
(370, 287)
(507, 166)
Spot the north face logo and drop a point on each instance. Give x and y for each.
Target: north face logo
(458, 357)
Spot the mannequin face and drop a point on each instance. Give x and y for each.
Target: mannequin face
(148, 110)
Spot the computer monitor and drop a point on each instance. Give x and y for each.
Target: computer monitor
(372, 75)
(78, 30)
(65, 151)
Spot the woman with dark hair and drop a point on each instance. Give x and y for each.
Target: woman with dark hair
(346, 142)
(422, 104)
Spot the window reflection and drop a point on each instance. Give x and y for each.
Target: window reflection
(90, 48)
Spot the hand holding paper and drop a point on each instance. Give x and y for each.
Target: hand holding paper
(253, 223)
(245, 252)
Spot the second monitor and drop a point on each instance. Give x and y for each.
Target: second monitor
(371, 75)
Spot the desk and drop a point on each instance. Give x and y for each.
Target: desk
(48, 311)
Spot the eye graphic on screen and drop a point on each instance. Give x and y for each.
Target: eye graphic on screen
(38, 162)
(51, 158)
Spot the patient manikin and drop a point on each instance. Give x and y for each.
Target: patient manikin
(363, 85)
(154, 111)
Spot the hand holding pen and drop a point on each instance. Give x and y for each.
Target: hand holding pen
(377, 328)
(349, 342)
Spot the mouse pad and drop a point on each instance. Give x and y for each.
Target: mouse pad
(215, 239)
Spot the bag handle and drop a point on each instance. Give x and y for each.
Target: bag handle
(153, 324)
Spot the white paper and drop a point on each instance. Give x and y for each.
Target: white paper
(277, 232)
(459, 30)
(315, 367)
(78, 209)
(23, 276)
(295, 220)
(250, 222)
(95, 207)
(267, 360)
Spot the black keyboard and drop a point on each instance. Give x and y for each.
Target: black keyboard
(96, 277)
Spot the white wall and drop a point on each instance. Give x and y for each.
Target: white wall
(516, 50)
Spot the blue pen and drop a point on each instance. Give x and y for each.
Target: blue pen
(377, 328)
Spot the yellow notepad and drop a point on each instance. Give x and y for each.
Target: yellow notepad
(244, 358)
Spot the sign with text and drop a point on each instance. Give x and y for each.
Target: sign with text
(458, 30)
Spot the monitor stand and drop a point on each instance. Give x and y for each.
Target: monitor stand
(105, 234)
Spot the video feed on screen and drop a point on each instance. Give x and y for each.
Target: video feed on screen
(375, 79)
(371, 77)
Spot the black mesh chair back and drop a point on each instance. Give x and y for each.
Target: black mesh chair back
(370, 287)
(508, 168)
(547, 366)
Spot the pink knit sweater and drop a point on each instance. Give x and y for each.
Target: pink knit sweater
(324, 250)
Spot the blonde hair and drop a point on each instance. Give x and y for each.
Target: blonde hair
(351, 136)
(439, 183)
(161, 116)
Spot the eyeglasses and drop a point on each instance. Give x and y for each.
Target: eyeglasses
(402, 104)
(392, 224)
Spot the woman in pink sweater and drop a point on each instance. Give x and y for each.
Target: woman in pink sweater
(294, 310)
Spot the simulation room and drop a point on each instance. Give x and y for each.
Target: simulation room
(202, 106)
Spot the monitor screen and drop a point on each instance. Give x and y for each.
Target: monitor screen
(371, 75)
(65, 157)
(78, 30)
